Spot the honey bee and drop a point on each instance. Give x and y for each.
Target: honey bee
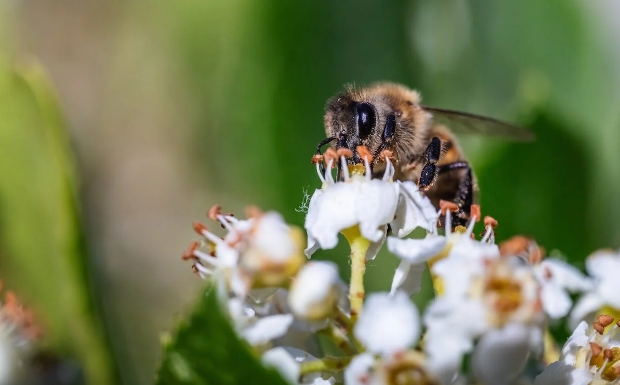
(387, 116)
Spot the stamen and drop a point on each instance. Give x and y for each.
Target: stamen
(345, 168)
(364, 153)
(605, 319)
(445, 206)
(598, 327)
(253, 212)
(206, 257)
(189, 253)
(344, 152)
(329, 178)
(214, 212)
(470, 227)
(490, 221)
(202, 230)
(330, 155)
(514, 246)
(318, 171)
(317, 159)
(389, 168)
(474, 213)
(595, 348)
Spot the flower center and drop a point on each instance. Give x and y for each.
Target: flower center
(504, 293)
(408, 369)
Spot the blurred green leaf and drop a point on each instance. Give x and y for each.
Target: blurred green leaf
(42, 254)
(206, 350)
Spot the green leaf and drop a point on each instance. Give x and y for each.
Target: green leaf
(42, 253)
(206, 350)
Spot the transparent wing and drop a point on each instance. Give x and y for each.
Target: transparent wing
(466, 123)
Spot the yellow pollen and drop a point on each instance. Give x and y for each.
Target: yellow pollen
(460, 229)
(408, 370)
(609, 373)
(357, 169)
(506, 294)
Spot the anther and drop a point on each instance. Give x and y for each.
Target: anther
(199, 228)
(386, 154)
(331, 155)
(317, 158)
(595, 348)
(474, 212)
(364, 153)
(253, 212)
(344, 152)
(605, 319)
(214, 211)
(514, 246)
(447, 205)
(189, 253)
(490, 221)
(598, 327)
(607, 353)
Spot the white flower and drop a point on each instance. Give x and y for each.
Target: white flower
(257, 331)
(408, 367)
(604, 268)
(287, 360)
(557, 278)
(389, 324)
(587, 358)
(314, 292)
(493, 300)
(415, 253)
(261, 251)
(370, 204)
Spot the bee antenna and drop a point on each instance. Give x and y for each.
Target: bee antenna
(323, 143)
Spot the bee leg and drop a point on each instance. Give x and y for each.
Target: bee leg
(430, 170)
(464, 195)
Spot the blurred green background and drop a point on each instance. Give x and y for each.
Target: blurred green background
(122, 122)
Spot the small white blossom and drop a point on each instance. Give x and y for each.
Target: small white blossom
(258, 252)
(281, 360)
(370, 204)
(588, 358)
(389, 324)
(408, 367)
(257, 331)
(315, 291)
(557, 278)
(604, 268)
(486, 299)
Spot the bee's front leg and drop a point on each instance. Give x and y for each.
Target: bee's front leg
(464, 198)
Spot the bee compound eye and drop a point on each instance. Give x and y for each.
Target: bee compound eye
(366, 118)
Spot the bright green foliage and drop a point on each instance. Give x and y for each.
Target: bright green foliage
(206, 350)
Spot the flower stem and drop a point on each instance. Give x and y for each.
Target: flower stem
(359, 247)
(327, 364)
(339, 338)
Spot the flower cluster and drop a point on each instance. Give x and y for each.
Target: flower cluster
(489, 322)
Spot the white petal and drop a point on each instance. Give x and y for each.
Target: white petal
(272, 237)
(559, 373)
(267, 329)
(358, 370)
(313, 246)
(375, 247)
(408, 278)
(388, 323)
(333, 211)
(556, 302)
(313, 293)
(587, 304)
(375, 206)
(501, 354)
(281, 360)
(416, 250)
(566, 276)
(576, 341)
(603, 263)
(414, 210)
